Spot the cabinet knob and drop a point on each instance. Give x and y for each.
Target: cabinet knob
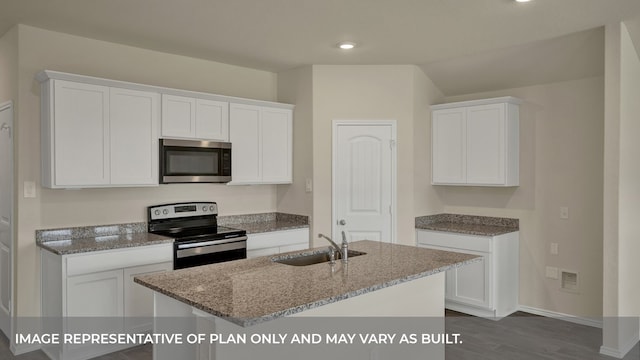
(342, 222)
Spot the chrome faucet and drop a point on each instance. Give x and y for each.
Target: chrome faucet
(343, 250)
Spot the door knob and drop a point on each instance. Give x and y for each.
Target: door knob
(6, 128)
(342, 222)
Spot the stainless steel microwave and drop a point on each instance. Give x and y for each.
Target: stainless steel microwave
(194, 161)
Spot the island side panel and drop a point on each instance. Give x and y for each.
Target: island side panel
(420, 297)
(172, 317)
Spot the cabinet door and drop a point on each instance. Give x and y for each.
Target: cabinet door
(81, 136)
(276, 145)
(448, 138)
(486, 144)
(178, 116)
(134, 118)
(212, 120)
(471, 284)
(244, 133)
(138, 300)
(95, 295)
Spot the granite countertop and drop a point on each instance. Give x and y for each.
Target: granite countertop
(468, 224)
(106, 242)
(96, 238)
(267, 222)
(83, 239)
(251, 291)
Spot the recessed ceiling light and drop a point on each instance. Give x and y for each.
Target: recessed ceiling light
(346, 45)
(522, 1)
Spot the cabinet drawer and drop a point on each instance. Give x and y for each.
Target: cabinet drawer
(454, 240)
(118, 259)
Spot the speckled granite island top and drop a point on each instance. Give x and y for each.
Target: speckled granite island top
(468, 224)
(97, 238)
(248, 292)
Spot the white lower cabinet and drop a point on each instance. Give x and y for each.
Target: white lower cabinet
(488, 287)
(276, 242)
(138, 314)
(95, 293)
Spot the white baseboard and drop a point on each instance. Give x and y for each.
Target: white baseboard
(560, 316)
(624, 349)
(23, 348)
(611, 352)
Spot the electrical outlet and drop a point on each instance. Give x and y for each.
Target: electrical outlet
(554, 248)
(552, 272)
(564, 212)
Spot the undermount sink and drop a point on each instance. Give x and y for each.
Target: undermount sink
(305, 259)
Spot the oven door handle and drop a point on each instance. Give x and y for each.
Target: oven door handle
(239, 243)
(213, 242)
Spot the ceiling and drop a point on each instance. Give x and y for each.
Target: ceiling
(449, 39)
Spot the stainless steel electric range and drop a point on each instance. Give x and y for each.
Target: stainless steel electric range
(198, 238)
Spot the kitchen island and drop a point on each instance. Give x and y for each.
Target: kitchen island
(261, 295)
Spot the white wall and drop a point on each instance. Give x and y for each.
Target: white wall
(425, 94)
(296, 87)
(41, 49)
(561, 164)
(621, 192)
(375, 92)
(9, 65)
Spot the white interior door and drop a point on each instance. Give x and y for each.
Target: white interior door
(6, 214)
(364, 180)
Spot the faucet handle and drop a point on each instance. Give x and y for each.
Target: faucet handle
(345, 252)
(332, 255)
(344, 237)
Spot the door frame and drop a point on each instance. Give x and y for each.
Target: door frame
(394, 168)
(4, 106)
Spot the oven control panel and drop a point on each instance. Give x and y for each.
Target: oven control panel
(181, 210)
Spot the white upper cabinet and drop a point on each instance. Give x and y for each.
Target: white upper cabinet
(193, 118)
(98, 136)
(212, 120)
(178, 116)
(246, 146)
(476, 143)
(277, 149)
(261, 139)
(104, 133)
(78, 134)
(133, 137)
(449, 135)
